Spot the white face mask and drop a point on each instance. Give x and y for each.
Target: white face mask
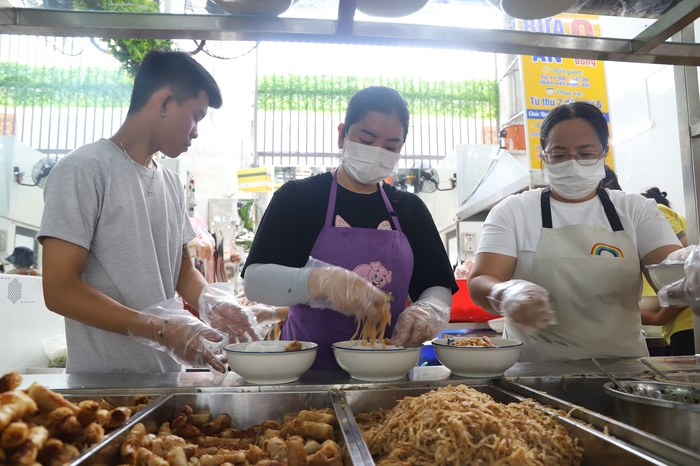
(368, 164)
(572, 180)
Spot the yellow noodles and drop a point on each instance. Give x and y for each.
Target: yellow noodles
(373, 330)
(462, 426)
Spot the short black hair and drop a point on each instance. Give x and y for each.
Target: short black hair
(177, 71)
(571, 111)
(376, 99)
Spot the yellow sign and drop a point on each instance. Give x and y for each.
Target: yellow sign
(552, 81)
(258, 179)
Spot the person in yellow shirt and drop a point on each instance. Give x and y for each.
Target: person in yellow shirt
(676, 323)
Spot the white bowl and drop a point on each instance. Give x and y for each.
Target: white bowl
(497, 324)
(375, 365)
(390, 8)
(478, 361)
(265, 368)
(665, 274)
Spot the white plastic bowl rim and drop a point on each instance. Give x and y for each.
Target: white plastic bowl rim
(305, 346)
(502, 343)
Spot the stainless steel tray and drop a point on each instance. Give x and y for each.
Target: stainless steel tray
(116, 399)
(245, 410)
(583, 397)
(599, 447)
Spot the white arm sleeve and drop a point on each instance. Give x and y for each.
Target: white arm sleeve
(277, 285)
(438, 292)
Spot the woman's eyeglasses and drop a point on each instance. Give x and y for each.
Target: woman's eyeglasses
(583, 158)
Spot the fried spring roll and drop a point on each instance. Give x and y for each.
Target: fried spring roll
(116, 418)
(296, 456)
(181, 416)
(87, 412)
(199, 419)
(141, 399)
(316, 430)
(15, 405)
(290, 428)
(164, 430)
(104, 404)
(65, 455)
(38, 435)
(322, 415)
(276, 448)
(47, 400)
(10, 381)
(147, 458)
(176, 457)
(14, 435)
(24, 454)
(188, 431)
(311, 446)
(94, 433)
(217, 460)
(51, 449)
(269, 424)
(328, 455)
(216, 425)
(132, 442)
(254, 454)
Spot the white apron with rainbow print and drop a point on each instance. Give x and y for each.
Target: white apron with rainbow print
(594, 281)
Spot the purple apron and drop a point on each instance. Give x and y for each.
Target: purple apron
(382, 256)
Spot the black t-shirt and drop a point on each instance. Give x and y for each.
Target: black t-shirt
(297, 212)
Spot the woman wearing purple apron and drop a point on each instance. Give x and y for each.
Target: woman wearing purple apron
(342, 246)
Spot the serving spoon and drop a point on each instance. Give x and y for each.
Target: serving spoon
(658, 372)
(612, 377)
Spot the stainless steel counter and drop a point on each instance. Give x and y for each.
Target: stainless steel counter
(192, 381)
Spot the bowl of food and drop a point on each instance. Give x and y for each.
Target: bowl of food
(271, 362)
(665, 274)
(497, 324)
(377, 361)
(480, 357)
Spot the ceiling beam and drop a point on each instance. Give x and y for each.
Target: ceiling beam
(346, 16)
(252, 28)
(667, 25)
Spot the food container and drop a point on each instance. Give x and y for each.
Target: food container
(665, 274)
(669, 411)
(599, 448)
(244, 409)
(264, 368)
(478, 361)
(375, 365)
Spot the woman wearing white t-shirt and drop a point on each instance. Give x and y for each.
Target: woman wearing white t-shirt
(563, 263)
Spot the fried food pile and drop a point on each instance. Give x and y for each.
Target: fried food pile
(38, 425)
(459, 426)
(195, 439)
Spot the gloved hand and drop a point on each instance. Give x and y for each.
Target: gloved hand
(524, 303)
(219, 308)
(684, 292)
(420, 322)
(178, 333)
(343, 290)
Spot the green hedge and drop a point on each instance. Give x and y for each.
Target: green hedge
(75, 87)
(470, 98)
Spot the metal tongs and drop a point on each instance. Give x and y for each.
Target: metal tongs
(612, 377)
(658, 372)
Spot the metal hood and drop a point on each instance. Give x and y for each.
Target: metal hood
(486, 176)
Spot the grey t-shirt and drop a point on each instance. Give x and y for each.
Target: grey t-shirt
(96, 198)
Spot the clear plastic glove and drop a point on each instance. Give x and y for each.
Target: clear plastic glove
(420, 322)
(684, 292)
(219, 308)
(333, 287)
(168, 327)
(523, 303)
